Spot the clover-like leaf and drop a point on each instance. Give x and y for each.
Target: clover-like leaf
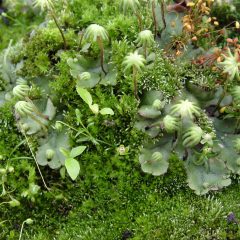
(110, 78)
(73, 167)
(88, 80)
(94, 108)
(77, 151)
(85, 95)
(106, 111)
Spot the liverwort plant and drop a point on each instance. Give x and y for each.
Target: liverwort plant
(28, 109)
(135, 62)
(146, 40)
(132, 5)
(49, 6)
(192, 136)
(185, 109)
(231, 64)
(97, 33)
(21, 91)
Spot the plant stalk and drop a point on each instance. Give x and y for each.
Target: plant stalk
(222, 96)
(39, 170)
(139, 21)
(100, 44)
(59, 28)
(20, 236)
(154, 18)
(163, 16)
(135, 82)
(145, 51)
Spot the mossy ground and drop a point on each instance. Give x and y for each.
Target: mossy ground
(112, 198)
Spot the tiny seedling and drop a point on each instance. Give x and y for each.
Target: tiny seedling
(87, 98)
(71, 164)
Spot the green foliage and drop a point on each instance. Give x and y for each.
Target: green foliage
(209, 158)
(71, 164)
(163, 75)
(189, 117)
(49, 153)
(226, 13)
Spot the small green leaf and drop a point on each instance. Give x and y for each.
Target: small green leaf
(65, 152)
(107, 111)
(85, 95)
(77, 151)
(94, 108)
(73, 167)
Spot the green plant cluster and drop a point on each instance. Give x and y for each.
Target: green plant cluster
(94, 95)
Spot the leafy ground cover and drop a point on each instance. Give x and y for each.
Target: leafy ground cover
(98, 100)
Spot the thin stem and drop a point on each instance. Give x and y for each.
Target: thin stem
(39, 122)
(145, 51)
(65, 124)
(139, 21)
(16, 147)
(35, 109)
(135, 82)
(222, 96)
(3, 203)
(154, 18)
(17, 158)
(12, 19)
(163, 16)
(81, 39)
(100, 44)
(39, 170)
(59, 28)
(87, 133)
(20, 236)
(4, 222)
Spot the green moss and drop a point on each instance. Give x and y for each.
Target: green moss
(8, 130)
(15, 26)
(112, 198)
(163, 75)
